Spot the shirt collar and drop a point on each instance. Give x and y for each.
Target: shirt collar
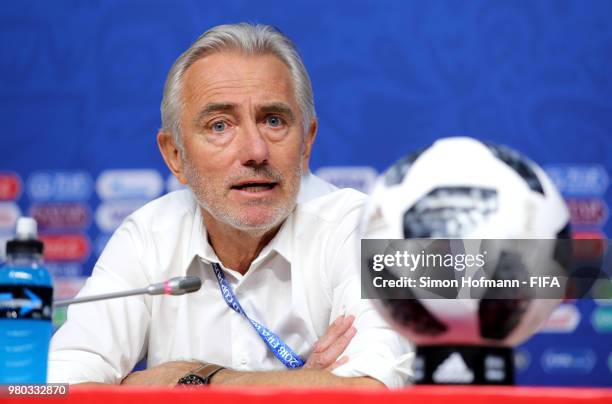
(282, 243)
(198, 242)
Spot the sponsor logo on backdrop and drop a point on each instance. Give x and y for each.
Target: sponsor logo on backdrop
(172, 184)
(589, 250)
(359, 178)
(568, 360)
(63, 216)
(588, 212)
(68, 287)
(66, 247)
(65, 288)
(579, 179)
(9, 213)
(601, 319)
(66, 269)
(588, 235)
(564, 319)
(43, 186)
(522, 359)
(129, 184)
(110, 215)
(10, 186)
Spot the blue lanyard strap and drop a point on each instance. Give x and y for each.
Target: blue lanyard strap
(278, 347)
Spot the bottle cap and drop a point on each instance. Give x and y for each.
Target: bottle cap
(25, 241)
(27, 229)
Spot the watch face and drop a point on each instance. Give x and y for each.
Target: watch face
(191, 379)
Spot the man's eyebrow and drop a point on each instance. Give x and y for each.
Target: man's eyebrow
(278, 108)
(212, 108)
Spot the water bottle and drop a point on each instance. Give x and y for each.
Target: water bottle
(26, 299)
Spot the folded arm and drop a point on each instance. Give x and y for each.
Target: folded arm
(316, 372)
(169, 373)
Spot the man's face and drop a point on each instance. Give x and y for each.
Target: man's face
(244, 144)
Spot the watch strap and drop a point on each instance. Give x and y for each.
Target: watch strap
(201, 375)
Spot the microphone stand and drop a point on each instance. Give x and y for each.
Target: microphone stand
(175, 286)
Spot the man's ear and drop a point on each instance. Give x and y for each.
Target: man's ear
(172, 155)
(308, 141)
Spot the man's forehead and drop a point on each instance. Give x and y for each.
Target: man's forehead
(230, 68)
(226, 79)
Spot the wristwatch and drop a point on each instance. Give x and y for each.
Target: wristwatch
(201, 375)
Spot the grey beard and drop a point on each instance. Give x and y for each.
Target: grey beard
(281, 212)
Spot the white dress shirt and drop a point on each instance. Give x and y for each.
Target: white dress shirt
(299, 284)
(312, 187)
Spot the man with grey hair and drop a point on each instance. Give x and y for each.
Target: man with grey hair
(280, 298)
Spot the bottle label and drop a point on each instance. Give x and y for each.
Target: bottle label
(26, 302)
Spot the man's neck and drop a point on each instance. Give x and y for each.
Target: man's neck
(236, 248)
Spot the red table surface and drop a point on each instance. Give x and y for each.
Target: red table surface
(412, 395)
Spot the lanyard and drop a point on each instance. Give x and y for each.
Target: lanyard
(281, 350)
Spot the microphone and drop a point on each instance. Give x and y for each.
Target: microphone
(175, 286)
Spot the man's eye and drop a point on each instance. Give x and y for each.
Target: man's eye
(274, 121)
(219, 126)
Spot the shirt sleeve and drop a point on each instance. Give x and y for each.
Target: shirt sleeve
(376, 350)
(102, 341)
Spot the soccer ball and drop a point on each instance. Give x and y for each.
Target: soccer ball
(462, 188)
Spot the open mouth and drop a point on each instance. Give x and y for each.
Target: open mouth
(255, 186)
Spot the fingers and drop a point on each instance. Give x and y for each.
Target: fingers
(340, 326)
(337, 363)
(335, 349)
(331, 345)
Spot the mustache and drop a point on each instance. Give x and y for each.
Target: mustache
(259, 172)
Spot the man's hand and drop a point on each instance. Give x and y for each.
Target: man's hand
(166, 374)
(331, 345)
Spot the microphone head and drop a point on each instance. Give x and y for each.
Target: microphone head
(187, 284)
(175, 286)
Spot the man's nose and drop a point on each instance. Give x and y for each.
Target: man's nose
(254, 149)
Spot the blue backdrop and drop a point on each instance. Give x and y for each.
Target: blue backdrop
(82, 82)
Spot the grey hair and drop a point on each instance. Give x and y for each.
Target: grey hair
(246, 38)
